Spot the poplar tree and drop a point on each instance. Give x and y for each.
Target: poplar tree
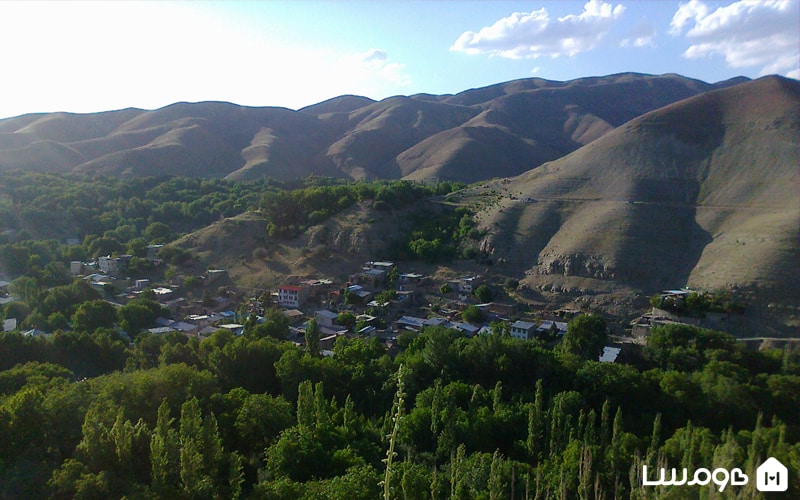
(164, 452)
(312, 337)
(305, 405)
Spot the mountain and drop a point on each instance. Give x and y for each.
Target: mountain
(500, 130)
(703, 192)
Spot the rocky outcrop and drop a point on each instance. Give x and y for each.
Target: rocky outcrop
(586, 266)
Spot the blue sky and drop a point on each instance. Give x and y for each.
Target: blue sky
(94, 56)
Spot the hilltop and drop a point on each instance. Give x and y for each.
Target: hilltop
(500, 130)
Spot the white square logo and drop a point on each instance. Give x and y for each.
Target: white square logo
(772, 476)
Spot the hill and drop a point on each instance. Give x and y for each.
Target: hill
(702, 193)
(503, 129)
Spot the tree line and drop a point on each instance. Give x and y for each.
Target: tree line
(86, 415)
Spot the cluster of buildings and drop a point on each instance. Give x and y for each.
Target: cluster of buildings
(382, 300)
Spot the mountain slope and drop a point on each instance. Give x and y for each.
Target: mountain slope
(503, 129)
(702, 192)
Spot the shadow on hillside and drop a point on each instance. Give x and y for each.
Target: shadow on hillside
(663, 242)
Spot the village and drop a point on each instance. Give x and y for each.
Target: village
(378, 300)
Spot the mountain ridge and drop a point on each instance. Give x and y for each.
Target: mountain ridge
(347, 136)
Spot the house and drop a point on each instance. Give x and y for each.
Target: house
(554, 327)
(522, 330)
(215, 274)
(114, 265)
(76, 267)
(234, 328)
(36, 333)
(408, 282)
(160, 330)
(417, 324)
(187, 328)
(373, 278)
(295, 316)
(292, 296)
(609, 354)
(162, 293)
(468, 284)
(360, 292)
(9, 324)
(465, 328)
(326, 318)
(384, 266)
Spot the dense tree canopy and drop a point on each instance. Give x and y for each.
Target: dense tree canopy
(87, 412)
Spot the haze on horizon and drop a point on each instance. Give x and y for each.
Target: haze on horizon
(97, 56)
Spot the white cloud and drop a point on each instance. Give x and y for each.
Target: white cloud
(747, 33)
(641, 35)
(535, 34)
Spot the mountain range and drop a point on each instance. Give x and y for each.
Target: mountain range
(634, 181)
(496, 131)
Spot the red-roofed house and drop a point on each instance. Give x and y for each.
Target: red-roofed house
(292, 295)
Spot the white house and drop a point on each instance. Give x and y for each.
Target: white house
(326, 318)
(557, 327)
(292, 296)
(522, 330)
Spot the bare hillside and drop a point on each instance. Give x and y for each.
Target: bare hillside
(501, 130)
(703, 193)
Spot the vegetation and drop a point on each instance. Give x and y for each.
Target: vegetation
(253, 416)
(89, 413)
(697, 303)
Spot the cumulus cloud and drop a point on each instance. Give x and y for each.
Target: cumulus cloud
(747, 33)
(535, 34)
(641, 35)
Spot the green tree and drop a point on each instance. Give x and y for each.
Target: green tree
(586, 336)
(93, 315)
(196, 471)
(483, 294)
(472, 315)
(347, 319)
(164, 453)
(312, 337)
(158, 233)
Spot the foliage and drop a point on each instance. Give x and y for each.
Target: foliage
(85, 414)
(585, 337)
(483, 294)
(472, 315)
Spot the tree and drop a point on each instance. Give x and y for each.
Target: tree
(93, 315)
(483, 294)
(139, 314)
(472, 315)
(312, 337)
(158, 232)
(586, 336)
(275, 325)
(346, 319)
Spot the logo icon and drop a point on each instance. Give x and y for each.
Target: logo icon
(772, 476)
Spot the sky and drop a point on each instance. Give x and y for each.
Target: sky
(94, 56)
